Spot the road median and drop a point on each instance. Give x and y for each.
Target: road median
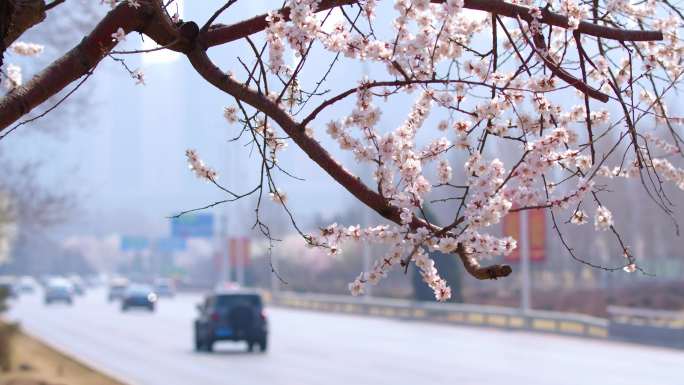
(32, 362)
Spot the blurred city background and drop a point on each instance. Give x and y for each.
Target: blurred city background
(87, 195)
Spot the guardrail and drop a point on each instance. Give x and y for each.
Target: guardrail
(461, 314)
(657, 327)
(653, 327)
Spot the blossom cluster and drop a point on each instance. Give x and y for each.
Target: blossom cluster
(198, 167)
(13, 77)
(26, 49)
(574, 11)
(514, 102)
(113, 3)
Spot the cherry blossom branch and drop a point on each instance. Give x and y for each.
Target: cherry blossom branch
(590, 133)
(150, 20)
(220, 34)
(217, 14)
(17, 18)
(53, 4)
(204, 66)
(73, 65)
(50, 109)
(539, 46)
(480, 272)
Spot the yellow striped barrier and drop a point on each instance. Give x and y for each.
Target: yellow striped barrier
(494, 317)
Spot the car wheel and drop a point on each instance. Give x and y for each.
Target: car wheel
(209, 346)
(263, 345)
(124, 308)
(250, 346)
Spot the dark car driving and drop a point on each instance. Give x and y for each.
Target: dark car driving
(139, 296)
(59, 290)
(235, 315)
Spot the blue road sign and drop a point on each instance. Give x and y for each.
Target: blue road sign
(134, 243)
(171, 244)
(193, 225)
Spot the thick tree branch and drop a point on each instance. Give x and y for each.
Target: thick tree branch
(17, 16)
(93, 48)
(204, 66)
(221, 34)
(540, 47)
(74, 64)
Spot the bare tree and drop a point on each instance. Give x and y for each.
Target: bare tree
(509, 79)
(27, 207)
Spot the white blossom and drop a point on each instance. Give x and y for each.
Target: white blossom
(230, 114)
(26, 49)
(139, 77)
(579, 217)
(198, 167)
(13, 78)
(603, 218)
(119, 35)
(278, 197)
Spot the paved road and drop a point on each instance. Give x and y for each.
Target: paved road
(308, 348)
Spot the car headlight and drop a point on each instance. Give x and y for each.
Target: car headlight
(152, 297)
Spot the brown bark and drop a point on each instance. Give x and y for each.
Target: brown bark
(18, 16)
(74, 64)
(226, 33)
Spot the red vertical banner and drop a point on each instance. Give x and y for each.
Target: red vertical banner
(537, 229)
(239, 251)
(537, 233)
(246, 256)
(233, 251)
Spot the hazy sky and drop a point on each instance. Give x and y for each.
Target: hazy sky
(126, 160)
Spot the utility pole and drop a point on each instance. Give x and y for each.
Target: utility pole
(366, 253)
(239, 258)
(524, 261)
(223, 246)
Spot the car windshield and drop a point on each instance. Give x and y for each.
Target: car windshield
(233, 300)
(139, 290)
(59, 289)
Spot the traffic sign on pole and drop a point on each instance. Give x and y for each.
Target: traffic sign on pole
(193, 225)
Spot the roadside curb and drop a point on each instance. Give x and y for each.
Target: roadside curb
(89, 365)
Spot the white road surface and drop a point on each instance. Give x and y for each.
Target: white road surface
(308, 348)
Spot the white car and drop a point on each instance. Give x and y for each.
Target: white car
(26, 285)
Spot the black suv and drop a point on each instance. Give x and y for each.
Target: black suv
(236, 315)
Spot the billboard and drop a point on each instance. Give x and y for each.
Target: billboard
(536, 230)
(171, 244)
(192, 226)
(134, 243)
